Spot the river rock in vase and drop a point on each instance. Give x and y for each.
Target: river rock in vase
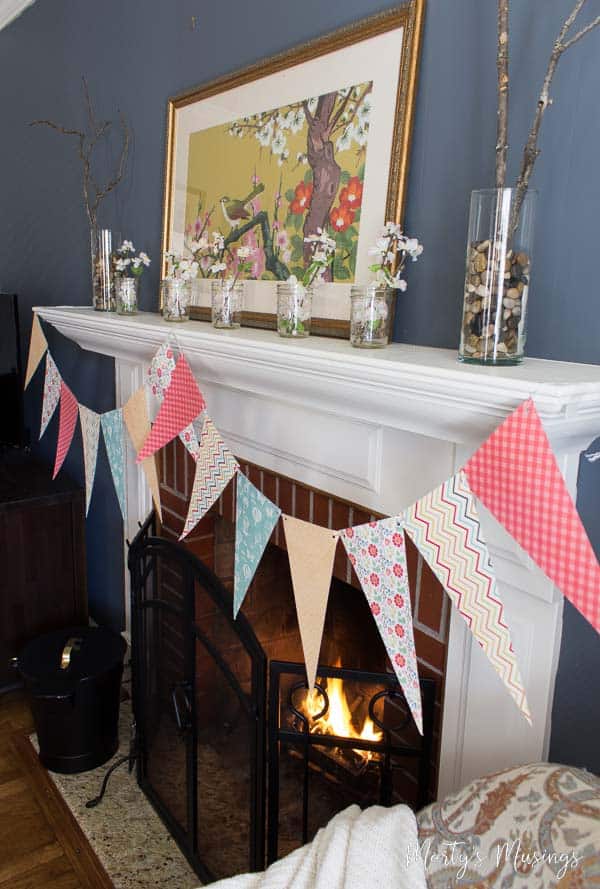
(497, 280)
(103, 285)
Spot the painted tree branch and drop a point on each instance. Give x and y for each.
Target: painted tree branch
(272, 262)
(532, 151)
(93, 192)
(503, 91)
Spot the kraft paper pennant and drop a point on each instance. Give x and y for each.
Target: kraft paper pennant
(37, 348)
(181, 404)
(516, 476)
(52, 381)
(311, 551)
(215, 468)
(255, 519)
(90, 433)
(137, 421)
(66, 426)
(377, 552)
(159, 379)
(444, 526)
(112, 429)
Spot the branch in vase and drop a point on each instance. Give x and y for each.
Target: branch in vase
(532, 151)
(503, 92)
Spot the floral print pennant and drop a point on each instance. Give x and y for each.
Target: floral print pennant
(52, 382)
(377, 552)
(255, 519)
(90, 434)
(112, 429)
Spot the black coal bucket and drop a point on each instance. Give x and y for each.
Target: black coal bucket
(73, 677)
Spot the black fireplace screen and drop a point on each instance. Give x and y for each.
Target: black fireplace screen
(199, 690)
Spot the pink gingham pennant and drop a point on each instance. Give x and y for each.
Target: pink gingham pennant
(181, 405)
(67, 421)
(159, 380)
(377, 552)
(515, 474)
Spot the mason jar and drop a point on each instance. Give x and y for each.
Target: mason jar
(294, 309)
(126, 293)
(370, 315)
(498, 275)
(227, 302)
(176, 294)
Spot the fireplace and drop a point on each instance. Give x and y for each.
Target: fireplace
(378, 429)
(242, 763)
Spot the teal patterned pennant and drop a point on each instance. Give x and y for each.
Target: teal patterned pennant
(255, 519)
(112, 429)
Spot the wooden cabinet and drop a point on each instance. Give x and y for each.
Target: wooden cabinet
(42, 555)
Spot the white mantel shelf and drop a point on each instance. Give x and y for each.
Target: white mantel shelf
(425, 390)
(381, 429)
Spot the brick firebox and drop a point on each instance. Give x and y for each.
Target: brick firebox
(213, 542)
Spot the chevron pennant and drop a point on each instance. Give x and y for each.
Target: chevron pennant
(215, 468)
(444, 526)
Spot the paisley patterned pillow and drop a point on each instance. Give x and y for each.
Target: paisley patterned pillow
(533, 827)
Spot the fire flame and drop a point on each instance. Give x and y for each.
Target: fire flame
(339, 719)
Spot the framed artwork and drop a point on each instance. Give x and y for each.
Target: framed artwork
(315, 138)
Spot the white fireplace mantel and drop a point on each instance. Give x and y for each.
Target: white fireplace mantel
(381, 429)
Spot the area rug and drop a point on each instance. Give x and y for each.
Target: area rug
(124, 831)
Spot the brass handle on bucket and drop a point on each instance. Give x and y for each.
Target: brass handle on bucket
(71, 645)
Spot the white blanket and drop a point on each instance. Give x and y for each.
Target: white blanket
(374, 849)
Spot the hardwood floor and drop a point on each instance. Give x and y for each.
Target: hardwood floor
(41, 844)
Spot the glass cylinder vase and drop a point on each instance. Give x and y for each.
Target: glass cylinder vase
(227, 301)
(126, 295)
(498, 273)
(176, 295)
(294, 309)
(103, 288)
(370, 315)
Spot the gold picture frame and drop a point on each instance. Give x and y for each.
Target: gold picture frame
(406, 21)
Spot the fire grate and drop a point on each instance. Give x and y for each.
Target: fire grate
(324, 770)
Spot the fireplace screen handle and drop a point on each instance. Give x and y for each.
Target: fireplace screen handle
(182, 707)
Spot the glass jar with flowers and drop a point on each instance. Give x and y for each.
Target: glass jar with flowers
(176, 287)
(128, 271)
(226, 266)
(372, 304)
(294, 297)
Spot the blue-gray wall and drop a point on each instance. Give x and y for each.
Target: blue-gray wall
(136, 53)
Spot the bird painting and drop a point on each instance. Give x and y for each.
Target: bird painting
(236, 210)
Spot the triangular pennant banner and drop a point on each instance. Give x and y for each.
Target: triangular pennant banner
(90, 434)
(159, 379)
(112, 429)
(516, 476)
(215, 468)
(182, 403)
(135, 417)
(52, 381)
(444, 526)
(66, 426)
(311, 551)
(377, 552)
(37, 347)
(255, 519)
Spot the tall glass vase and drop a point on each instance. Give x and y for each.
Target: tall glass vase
(497, 277)
(103, 286)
